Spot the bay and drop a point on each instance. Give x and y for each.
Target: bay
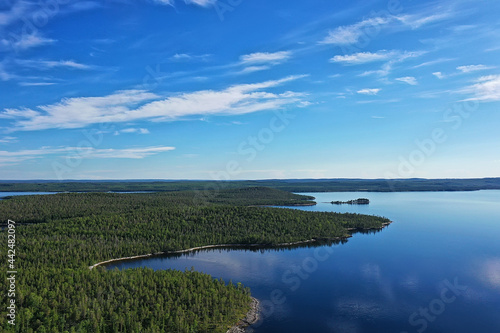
(436, 268)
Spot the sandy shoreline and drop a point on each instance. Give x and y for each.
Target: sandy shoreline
(204, 247)
(224, 246)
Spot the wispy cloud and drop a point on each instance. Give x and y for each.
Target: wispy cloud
(8, 139)
(131, 105)
(367, 91)
(260, 61)
(201, 3)
(189, 57)
(433, 62)
(163, 2)
(408, 79)
(418, 20)
(36, 84)
(350, 34)
(439, 75)
(133, 153)
(251, 69)
(133, 130)
(15, 13)
(15, 157)
(486, 89)
(50, 64)
(265, 57)
(24, 42)
(391, 58)
(473, 68)
(363, 57)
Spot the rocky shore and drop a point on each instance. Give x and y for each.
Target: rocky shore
(251, 318)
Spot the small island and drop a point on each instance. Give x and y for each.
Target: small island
(359, 201)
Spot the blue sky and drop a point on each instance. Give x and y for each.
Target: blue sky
(240, 89)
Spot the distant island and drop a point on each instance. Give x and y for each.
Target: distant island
(359, 201)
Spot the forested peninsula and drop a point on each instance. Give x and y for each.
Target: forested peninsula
(63, 234)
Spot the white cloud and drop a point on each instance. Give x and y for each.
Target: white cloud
(202, 3)
(473, 68)
(350, 34)
(439, 75)
(14, 157)
(265, 57)
(367, 91)
(486, 88)
(132, 105)
(25, 41)
(36, 84)
(164, 2)
(391, 57)
(8, 139)
(4, 75)
(50, 64)
(15, 13)
(133, 130)
(408, 79)
(363, 57)
(189, 57)
(133, 153)
(416, 21)
(252, 69)
(433, 62)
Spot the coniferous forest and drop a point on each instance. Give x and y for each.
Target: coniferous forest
(59, 236)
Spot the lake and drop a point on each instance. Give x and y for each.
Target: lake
(435, 269)
(11, 194)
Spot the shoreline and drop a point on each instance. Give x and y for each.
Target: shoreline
(214, 246)
(252, 316)
(209, 247)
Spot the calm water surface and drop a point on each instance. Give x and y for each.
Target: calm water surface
(435, 269)
(11, 194)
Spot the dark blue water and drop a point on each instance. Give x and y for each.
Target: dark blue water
(435, 269)
(11, 194)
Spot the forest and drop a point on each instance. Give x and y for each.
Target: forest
(290, 185)
(59, 236)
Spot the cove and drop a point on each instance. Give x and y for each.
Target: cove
(436, 268)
